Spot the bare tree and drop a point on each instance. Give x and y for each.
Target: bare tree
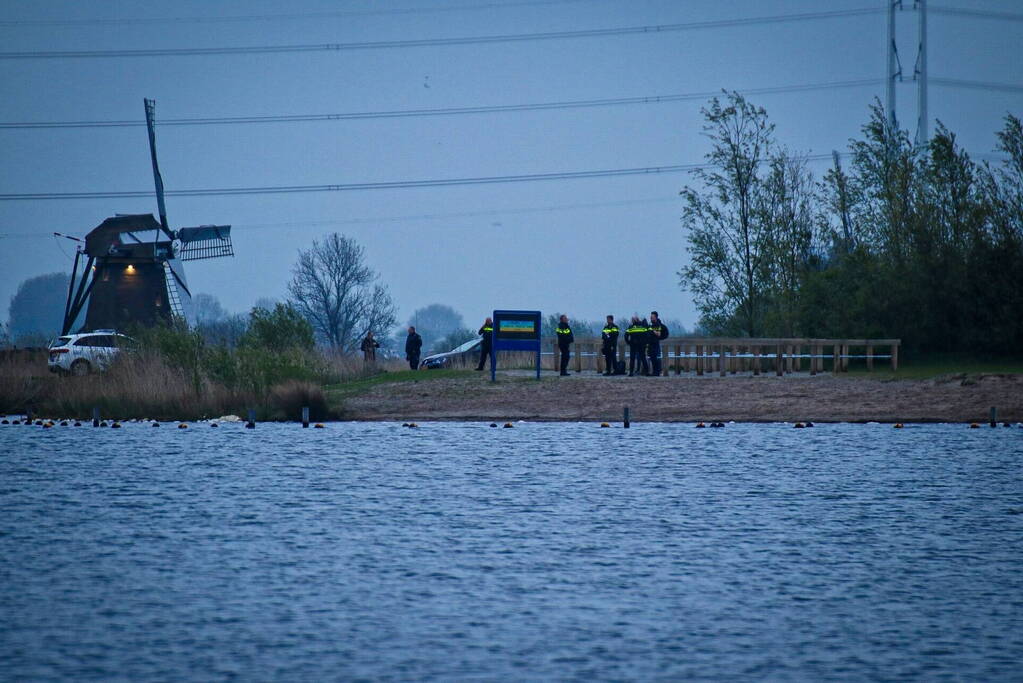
(338, 293)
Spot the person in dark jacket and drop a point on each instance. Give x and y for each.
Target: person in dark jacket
(565, 339)
(658, 331)
(413, 348)
(487, 332)
(369, 348)
(636, 338)
(609, 345)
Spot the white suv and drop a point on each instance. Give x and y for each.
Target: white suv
(80, 354)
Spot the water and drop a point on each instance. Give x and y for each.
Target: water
(547, 551)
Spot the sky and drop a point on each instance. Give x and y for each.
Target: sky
(582, 246)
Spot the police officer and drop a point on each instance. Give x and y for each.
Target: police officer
(413, 348)
(636, 338)
(609, 346)
(658, 331)
(487, 332)
(565, 338)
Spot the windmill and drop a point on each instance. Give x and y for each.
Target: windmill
(133, 271)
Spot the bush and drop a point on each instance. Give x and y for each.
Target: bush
(288, 398)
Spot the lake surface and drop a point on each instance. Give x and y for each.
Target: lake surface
(546, 551)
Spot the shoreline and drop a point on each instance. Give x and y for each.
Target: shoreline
(680, 398)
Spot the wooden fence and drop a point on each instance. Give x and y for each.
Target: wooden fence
(706, 355)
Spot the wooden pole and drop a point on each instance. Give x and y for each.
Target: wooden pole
(779, 367)
(895, 357)
(756, 360)
(870, 358)
(699, 360)
(721, 360)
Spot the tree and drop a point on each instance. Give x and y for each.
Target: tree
(434, 323)
(728, 229)
(207, 309)
(36, 312)
(280, 329)
(338, 293)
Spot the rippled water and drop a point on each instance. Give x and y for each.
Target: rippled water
(370, 551)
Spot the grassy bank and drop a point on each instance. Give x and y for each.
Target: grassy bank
(188, 382)
(932, 366)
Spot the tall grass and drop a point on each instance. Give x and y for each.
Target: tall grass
(175, 376)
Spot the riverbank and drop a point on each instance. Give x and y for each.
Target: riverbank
(587, 396)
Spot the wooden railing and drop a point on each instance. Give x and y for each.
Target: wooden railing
(704, 355)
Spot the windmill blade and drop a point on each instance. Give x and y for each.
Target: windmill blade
(157, 178)
(204, 242)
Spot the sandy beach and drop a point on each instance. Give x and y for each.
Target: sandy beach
(587, 396)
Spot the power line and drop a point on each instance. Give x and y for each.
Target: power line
(447, 111)
(416, 217)
(977, 85)
(976, 13)
(436, 42)
(380, 185)
(285, 16)
(401, 184)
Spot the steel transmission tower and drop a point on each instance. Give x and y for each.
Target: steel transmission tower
(894, 73)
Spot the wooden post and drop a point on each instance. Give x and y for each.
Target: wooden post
(678, 359)
(721, 360)
(305, 417)
(578, 358)
(870, 358)
(813, 359)
(895, 357)
(779, 368)
(699, 360)
(756, 360)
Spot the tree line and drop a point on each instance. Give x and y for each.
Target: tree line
(918, 242)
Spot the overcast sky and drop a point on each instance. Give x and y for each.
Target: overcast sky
(587, 247)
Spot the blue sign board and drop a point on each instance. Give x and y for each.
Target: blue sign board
(515, 331)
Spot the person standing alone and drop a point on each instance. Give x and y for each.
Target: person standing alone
(487, 332)
(609, 345)
(658, 331)
(413, 348)
(369, 348)
(565, 339)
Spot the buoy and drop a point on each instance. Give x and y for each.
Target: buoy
(798, 425)
(182, 426)
(897, 425)
(974, 425)
(700, 425)
(116, 425)
(508, 425)
(318, 425)
(604, 425)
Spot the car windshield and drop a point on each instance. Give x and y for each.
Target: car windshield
(466, 346)
(59, 341)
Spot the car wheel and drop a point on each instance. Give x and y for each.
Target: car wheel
(80, 368)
